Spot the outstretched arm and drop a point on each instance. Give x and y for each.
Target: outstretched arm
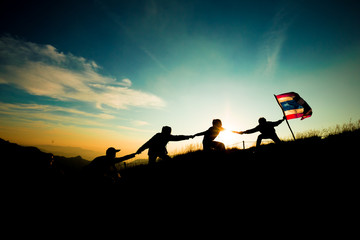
(143, 147)
(200, 134)
(121, 159)
(251, 130)
(240, 132)
(146, 145)
(180, 137)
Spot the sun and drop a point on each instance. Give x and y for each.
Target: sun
(229, 138)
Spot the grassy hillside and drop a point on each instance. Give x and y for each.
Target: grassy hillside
(314, 163)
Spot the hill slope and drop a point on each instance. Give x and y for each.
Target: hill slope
(30, 166)
(311, 163)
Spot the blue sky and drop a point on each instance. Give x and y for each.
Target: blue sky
(95, 74)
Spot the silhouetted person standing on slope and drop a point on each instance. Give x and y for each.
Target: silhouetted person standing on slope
(102, 169)
(157, 144)
(210, 135)
(267, 130)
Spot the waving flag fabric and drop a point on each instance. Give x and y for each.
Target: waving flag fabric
(294, 106)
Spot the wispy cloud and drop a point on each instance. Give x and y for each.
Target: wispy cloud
(273, 42)
(125, 82)
(11, 108)
(44, 71)
(140, 123)
(151, 10)
(52, 115)
(133, 129)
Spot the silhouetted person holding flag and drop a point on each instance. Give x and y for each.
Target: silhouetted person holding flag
(157, 144)
(267, 130)
(210, 135)
(102, 169)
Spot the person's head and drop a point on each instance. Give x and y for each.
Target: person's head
(262, 121)
(111, 152)
(166, 130)
(217, 123)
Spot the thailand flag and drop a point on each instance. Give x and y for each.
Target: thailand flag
(294, 106)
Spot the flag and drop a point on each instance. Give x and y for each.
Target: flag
(293, 106)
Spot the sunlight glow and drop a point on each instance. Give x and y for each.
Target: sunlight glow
(229, 138)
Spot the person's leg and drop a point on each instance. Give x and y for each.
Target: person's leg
(152, 159)
(165, 156)
(275, 138)
(219, 146)
(259, 139)
(206, 147)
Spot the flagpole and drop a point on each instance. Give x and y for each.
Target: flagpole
(285, 117)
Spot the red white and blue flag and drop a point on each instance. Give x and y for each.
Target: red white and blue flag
(293, 106)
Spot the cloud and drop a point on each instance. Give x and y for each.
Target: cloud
(133, 129)
(136, 29)
(32, 113)
(125, 82)
(44, 71)
(49, 116)
(9, 107)
(273, 42)
(140, 123)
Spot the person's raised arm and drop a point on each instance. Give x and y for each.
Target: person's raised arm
(277, 123)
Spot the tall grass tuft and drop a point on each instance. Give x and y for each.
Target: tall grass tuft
(189, 148)
(326, 132)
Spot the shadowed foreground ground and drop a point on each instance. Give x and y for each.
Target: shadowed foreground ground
(311, 165)
(300, 185)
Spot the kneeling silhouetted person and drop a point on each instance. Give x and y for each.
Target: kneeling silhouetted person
(102, 169)
(210, 135)
(267, 130)
(157, 144)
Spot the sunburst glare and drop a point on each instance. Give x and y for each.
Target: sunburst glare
(229, 138)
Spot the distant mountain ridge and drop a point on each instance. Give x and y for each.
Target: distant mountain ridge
(69, 151)
(29, 165)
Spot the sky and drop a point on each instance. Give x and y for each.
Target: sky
(95, 74)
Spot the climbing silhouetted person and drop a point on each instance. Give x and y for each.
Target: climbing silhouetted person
(102, 169)
(267, 130)
(157, 144)
(210, 135)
